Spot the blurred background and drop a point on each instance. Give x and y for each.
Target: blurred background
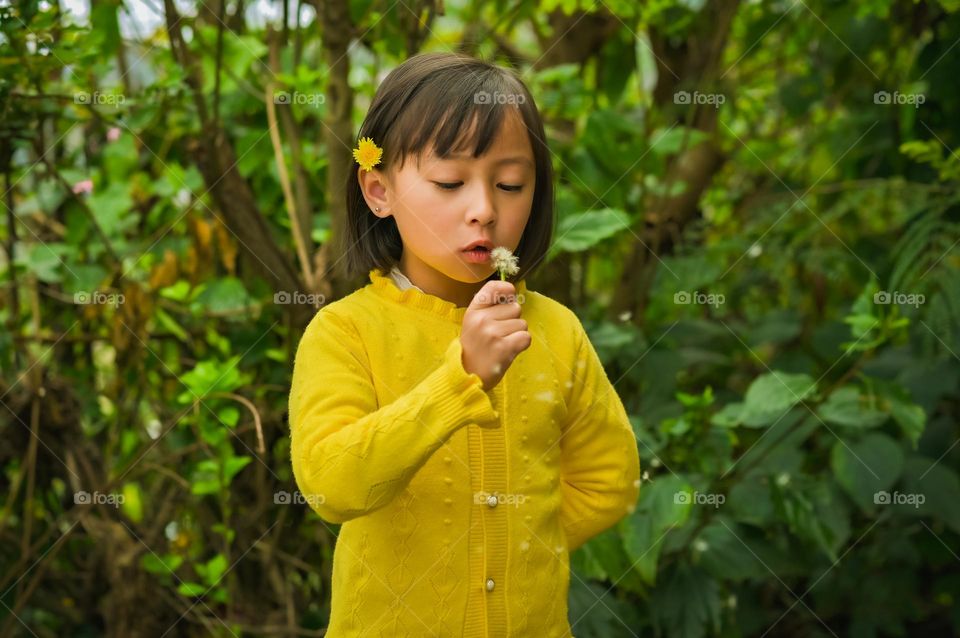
(758, 222)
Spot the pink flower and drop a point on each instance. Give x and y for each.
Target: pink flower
(85, 186)
(113, 134)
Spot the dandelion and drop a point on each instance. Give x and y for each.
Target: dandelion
(504, 261)
(367, 153)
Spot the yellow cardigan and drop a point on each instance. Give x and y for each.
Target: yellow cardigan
(459, 507)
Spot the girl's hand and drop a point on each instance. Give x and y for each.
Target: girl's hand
(493, 333)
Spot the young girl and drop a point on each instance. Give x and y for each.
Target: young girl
(461, 427)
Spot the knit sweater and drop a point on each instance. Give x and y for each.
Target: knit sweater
(459, 506)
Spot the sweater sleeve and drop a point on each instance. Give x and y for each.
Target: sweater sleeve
(351, 456)
(600, 462)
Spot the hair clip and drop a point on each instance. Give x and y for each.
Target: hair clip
(367, 154)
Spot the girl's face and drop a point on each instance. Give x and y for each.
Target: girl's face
(444, 205)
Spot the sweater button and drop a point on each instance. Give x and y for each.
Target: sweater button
(492, 500)
(448, 480)
(490, 584)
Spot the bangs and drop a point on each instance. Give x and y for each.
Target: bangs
(459, 111)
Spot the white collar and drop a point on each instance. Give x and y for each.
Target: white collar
(402, 281)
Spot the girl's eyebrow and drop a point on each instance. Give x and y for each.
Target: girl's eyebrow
(516, 159)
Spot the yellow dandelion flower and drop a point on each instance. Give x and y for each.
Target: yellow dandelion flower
(367, 153)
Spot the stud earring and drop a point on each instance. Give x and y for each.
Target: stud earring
(378, 209)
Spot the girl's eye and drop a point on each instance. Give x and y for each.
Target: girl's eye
(449, 186)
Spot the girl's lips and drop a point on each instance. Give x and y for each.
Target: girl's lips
(477, 255)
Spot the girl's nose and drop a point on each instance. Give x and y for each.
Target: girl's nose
(482, 209)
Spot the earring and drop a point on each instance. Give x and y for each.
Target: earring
(377, 209)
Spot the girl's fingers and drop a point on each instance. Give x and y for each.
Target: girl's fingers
(493, 293)
(503, 311)
(509, 326)
(518, 341)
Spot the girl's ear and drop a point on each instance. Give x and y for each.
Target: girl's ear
(374, 185)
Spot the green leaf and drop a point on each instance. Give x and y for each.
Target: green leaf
(865, 467)
(222, 296)
(42, 259)
(670, 141)
(688, 604)
(233, 465)
(211, 376)
(771, 395)
(723, 550)
(213, 570)
(191, 589)
(658, 510)
(132, 505)
(749, 501)
(939, 487)
(847, 407)
(161, 566)
(911, 418)
(581, 231)
(205, 486)
(113, 209)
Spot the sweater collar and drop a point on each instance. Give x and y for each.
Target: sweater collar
(384, 286)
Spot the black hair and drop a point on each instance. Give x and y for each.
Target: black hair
(432, 99)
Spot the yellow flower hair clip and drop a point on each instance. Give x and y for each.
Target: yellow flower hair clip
(367, 154)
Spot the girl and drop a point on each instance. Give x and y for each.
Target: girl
(461, 427)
